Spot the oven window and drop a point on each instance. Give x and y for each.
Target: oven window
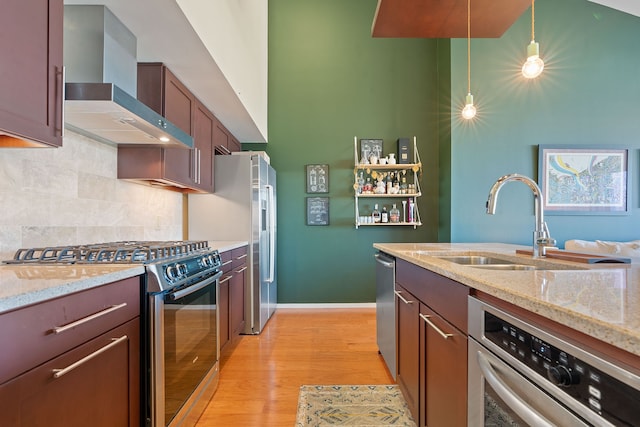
(497, 413)
(190, 348)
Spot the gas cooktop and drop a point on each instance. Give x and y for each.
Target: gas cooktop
(124, 252)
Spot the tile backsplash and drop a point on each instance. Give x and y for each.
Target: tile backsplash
(70, 195)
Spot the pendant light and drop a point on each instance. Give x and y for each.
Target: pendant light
(534, 65)
(469, 110)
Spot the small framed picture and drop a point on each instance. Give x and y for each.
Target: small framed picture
(370, 147)
(317, 178)
(584, 180)
(317, 211)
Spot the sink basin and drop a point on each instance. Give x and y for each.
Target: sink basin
(507, 267)
(475, 260)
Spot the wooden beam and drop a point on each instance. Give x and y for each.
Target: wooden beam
(445, 18)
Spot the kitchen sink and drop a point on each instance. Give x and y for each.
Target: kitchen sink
(489, 262)
(475, 260)
(507, 267)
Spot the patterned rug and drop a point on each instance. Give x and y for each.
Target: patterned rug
(352, 405)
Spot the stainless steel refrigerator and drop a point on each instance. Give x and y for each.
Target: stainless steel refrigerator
(243, 207)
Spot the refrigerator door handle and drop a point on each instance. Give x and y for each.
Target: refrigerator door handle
(272, 227)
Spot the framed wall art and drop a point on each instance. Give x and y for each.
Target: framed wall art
(317, 211)
(317, 178)
(370, 147)
(588, 180)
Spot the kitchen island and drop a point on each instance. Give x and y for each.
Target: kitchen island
(599, 300)
(570, 328)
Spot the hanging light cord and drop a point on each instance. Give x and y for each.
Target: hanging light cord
(533, 20)
(468, 46)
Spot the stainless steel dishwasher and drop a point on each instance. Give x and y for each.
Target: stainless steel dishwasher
(386, 309)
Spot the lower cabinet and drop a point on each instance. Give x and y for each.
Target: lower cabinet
(431, 345)
(73, 361)
(231, 294)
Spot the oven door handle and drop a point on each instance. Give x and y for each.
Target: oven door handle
(515, 402)
(172, 296)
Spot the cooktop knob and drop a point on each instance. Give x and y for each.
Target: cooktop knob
(562, 376)
(171, 272)
(182, 269)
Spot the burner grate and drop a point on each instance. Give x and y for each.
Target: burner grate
(125, 252)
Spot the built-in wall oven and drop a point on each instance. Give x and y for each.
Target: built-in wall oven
(521, 375)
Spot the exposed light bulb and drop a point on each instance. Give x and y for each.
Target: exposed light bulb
(469, 110)
(534, 65)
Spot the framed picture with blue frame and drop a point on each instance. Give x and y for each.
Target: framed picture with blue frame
(584, 180)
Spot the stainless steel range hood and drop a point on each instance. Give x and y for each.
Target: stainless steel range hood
(101, 68)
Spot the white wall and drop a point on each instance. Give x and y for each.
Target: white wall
(70, 195)
(235, 34)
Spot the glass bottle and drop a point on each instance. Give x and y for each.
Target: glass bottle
(394, 214)
(403, 186)
(375, 214)
(384, 217)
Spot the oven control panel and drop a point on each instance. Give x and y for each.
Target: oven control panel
(602, 393)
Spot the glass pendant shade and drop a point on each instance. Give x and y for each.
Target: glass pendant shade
(469, 110)
(534, 65)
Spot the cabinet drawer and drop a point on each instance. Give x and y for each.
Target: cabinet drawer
(35, 334)
(239, 256)
(227, 261)
(102, 390)
(447, 297)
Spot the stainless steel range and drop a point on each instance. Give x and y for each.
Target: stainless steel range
(180, 318)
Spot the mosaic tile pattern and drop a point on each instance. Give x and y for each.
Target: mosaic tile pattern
(352, 405)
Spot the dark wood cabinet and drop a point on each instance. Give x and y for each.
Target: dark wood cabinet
(203, 152)
(224, 141)
(231, 294)
(31, 94)
(443, 374)
(237, 291)
(431, 315)
(74, 361)
(408, 348)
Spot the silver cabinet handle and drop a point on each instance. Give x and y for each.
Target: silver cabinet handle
(63, 78)
(426, 317)
(228, 262)
(61, 329)
(383, 260)
(242, 256)
(402, 298)
(241, 270)
(225, 279)
(57, 373)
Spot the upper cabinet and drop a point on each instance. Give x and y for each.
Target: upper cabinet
(180, 169)
(31, 87)
(224, 141)
(445, 19)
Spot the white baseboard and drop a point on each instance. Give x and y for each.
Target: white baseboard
(328, 305)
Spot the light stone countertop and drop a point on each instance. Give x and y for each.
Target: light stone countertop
(226, 245)
(22, 285)
(601, 300)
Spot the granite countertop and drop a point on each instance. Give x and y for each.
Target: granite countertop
(226, 245)
(22, 285)
(600, 300)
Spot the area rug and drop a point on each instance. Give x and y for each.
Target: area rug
(352, 405)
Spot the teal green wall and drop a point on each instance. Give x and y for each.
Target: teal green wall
(588, 94)
(329, 81)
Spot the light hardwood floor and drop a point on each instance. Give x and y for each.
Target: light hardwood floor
(260, 377)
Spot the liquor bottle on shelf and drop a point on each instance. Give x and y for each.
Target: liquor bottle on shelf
(410, 213)
(403, 186)
(375, 214)
(384, 216)
(394, 214)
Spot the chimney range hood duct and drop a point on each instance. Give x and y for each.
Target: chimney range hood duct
(100, 102)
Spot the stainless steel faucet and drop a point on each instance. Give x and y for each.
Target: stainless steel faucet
(541, 239)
